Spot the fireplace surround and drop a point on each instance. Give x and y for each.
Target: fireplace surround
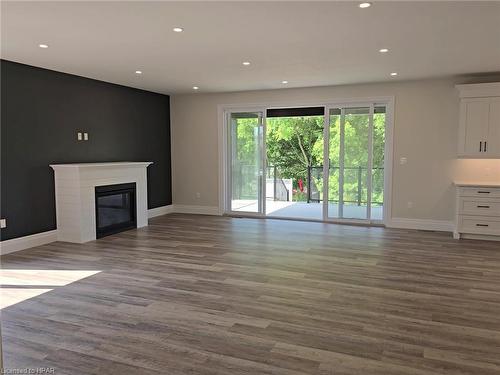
(79, 188)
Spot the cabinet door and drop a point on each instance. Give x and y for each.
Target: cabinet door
(475, 115)
(493, 148)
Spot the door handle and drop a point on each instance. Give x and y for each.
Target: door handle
(483, 206)
(485, 146)
(481, 146)
(482, 225)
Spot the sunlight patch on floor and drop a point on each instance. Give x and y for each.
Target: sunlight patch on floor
(19, 285)
(11, 296)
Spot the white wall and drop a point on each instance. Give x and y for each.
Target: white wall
(425, 132)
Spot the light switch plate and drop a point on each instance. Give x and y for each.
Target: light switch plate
(85, 136)
(79, 136)
(3, 223)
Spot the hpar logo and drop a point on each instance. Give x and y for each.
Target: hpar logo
(29, 370)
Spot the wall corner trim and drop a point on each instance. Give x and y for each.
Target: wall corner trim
(21, 243)
(159, 211)
(421, 224)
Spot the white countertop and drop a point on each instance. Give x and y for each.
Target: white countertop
(104, 165)
(477, 184)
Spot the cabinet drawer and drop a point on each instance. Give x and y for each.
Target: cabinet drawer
(479, 192)
(479, 225)
(479, 206)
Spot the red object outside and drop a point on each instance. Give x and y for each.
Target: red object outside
(301, 185)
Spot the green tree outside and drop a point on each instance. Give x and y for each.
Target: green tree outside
(295, 144)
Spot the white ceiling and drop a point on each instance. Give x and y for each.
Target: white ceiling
(306, 43)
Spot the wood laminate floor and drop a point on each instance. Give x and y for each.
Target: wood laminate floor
(216, 295)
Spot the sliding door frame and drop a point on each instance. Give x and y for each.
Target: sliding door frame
(388, 103)
(224, 133)
(222, 109)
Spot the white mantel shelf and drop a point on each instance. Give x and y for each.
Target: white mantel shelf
(75, 195)
(103, 165)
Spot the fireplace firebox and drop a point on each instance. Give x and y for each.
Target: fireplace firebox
(115, 208)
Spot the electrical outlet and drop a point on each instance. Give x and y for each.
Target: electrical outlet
(403, 161)
(410, 204)
(3, 223)
(198, 195)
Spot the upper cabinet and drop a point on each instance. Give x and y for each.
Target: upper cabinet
(479, 132)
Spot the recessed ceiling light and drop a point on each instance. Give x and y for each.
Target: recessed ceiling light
(383, 50)
(178, 29)
(394, 74)
(284, 82)
(138, 72)
(365, 5)
(196, 88)
(246, 63)
(43, 46)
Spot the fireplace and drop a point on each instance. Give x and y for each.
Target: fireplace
(77, 199)
(115, 208)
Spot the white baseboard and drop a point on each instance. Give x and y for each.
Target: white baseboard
(479, 237)
(200, 210)
(21, 243)
(421, 224)
(183, 209)
(159, 211)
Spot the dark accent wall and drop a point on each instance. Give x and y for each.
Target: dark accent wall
(41, 113)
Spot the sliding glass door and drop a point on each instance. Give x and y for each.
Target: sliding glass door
(307, 165)
(355, 167)
(246, 161)
(294, 143)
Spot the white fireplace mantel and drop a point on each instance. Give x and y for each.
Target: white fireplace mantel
(75, 195)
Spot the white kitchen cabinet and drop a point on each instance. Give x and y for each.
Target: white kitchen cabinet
(478, 210)
(479, 131)
(494, 127)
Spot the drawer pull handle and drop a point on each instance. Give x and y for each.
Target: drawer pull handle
(483, 206)
(482, 225)
(483, 192)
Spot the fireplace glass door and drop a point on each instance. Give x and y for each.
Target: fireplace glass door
(115, 208)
